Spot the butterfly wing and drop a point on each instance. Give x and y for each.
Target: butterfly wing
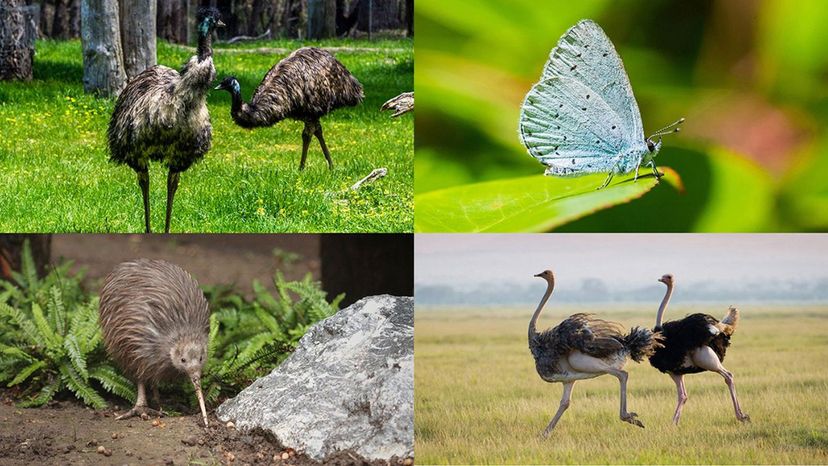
(585, 53)
(569, 128)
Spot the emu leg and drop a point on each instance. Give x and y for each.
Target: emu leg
(307, 133)
(681, 394)
(140, 409)
(325, 151)
(172, 186)
(143, 182)
(625, 416)
(567, 394)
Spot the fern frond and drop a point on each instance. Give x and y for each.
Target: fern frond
(46, 333)
(214, 341)
(26, 372)
(16, 353)
(268, 321)
(113, 382)
(23, 323)
(44, 396)
(57, 310)
(76, 356)
(80, 387)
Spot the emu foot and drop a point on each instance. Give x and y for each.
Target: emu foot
(143, 411)
(631, 418)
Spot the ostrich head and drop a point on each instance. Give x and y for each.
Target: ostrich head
(547, 275)
(229, 84)
(667, 279)
(188, 355)
(207, 20)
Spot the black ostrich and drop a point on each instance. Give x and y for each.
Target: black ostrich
(305, 86)
(161, 116)
(694, 344)
(584, 347)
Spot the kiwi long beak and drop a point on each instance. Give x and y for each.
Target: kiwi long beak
(197, 384)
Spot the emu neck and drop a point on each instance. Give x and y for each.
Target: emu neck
(205, 45)
(663, 305)
(532, 323)
(252, 115)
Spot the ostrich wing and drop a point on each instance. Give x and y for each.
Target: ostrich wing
(582, 332)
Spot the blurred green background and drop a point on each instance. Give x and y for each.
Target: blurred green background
(750, 76)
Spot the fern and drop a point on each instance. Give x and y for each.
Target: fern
(45, 332)
(25, 373)
(80, 387)
(76, 356)
(22, 323)
(114, 382)
(44, 396)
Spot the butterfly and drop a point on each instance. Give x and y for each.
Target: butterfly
(582, 117)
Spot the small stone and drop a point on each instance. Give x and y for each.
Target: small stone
(144, 416)
(230, 456)
(156, 423)
(114, 435)
(291, 452)
(92, 443)
(230, 425)
(260, 456)
(169, 461)
(285, 455)
(68, 448)
(408, 461)
(129, 453)
(201, 441)
(190, 441)
(101, 449)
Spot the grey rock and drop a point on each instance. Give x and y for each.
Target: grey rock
(348, 386)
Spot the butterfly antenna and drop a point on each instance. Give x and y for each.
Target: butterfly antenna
(669, 129)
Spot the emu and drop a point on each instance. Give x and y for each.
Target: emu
(400, 104)
(305, 86)
(162, 116)
(155, 323)
(584, 347)
(694, 344)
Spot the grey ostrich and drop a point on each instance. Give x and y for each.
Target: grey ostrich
(401, 104)
(161, 115)
(584, 347)
(155, 323)
(694, 344)
(305, 86)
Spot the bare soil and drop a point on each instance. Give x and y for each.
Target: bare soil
(65, 432)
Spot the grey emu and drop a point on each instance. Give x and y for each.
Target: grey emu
(155, 323)
(162, 116)
(584, 347)
(401, 104)
(305, 86)
(694, 344)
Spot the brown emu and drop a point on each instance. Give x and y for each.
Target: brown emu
(694, 344)
(401, 104)
(583, 347)
(305, 86)
(155, 322)
(161, 116)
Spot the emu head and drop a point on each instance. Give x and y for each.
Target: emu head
(208, 19)
(229, 84)
(188, 355)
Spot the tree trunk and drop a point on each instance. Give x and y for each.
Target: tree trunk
(103, 58)
(366, 265)
(138, 35)
(18, 30)
(60, 21)
(409, 17)
(375, 15)
(74, 18)
(321, 19)
(11, 250)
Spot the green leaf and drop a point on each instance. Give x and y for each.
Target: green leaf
(43, 327)
(26, 372)
(45, 395)
(530, 204)
(56, 310)
(80, 387)
(23, 323)
(267, 320)
(114, 382)
(76, 356)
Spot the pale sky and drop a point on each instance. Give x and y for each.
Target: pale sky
(464, 261)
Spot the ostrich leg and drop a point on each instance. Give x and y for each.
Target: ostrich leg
(567, 394)
(307, 134)
(318, 134)
(681, 393)
(172, 187)
(705, 358)
(140, 408)
(143, 182)
(625, 416)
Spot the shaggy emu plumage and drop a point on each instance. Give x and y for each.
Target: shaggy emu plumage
(694, 344)
(305, 86)
(156, 323)
(583, 347)
(161, 116)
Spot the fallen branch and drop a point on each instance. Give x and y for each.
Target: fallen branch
(373, 176)
(237, 39)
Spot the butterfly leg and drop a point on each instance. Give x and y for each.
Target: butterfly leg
(607, 181)
(635, 178)
(656, 173)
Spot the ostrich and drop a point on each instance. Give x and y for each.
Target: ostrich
(694, 344)
(155, 324)
(305, 86)
(161, 116)
(583, 347)
(401, 104)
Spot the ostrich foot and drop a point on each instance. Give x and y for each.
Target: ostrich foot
(142, 411)
(631, 418)
(743, 418)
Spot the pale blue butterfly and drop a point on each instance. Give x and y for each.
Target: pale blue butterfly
(582, 117)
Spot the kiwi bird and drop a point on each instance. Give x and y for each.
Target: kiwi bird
(694, 344)
(161, 115)
(305, 86)
(155, 323)
(584, 347)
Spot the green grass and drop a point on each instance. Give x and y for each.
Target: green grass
(479, 400)
(56, 177)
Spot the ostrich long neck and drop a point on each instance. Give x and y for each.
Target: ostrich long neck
(532, 323)
(663, 305)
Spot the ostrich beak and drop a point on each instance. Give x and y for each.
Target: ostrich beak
(196, 379)
(537, 275)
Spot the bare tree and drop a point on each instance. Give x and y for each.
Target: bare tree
(11, 252)
(138, 31)
(17, 35)
(103, 57)
(321, 19)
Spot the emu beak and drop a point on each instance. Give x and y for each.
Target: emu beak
(196, 379)
(217, 87)
(220, 24)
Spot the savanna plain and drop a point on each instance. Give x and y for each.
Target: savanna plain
(56, 177)
(479, 400)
